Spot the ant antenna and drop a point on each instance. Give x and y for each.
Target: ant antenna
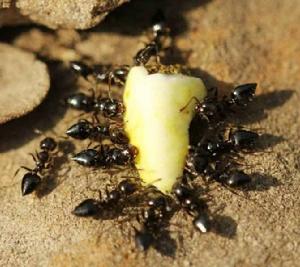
(189, 102)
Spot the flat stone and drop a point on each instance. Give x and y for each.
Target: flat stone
(24, 82)
(67, 14)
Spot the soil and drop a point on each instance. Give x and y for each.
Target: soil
(226, 43)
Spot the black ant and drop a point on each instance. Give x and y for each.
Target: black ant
(102, 73)
(201, 155)
(150, 227)
(116, 75)
(159, 30)
(237, 139)
(212, 109)
(152, 223)
(197, 208)
(198, 165)
(106, 106)
(81, 101)
(107, 156)
(42, 159)
(228, 177)
(234, 178)
(159, 26)
(143, 55)
(81, 68)
(84, 129)
(92, 207)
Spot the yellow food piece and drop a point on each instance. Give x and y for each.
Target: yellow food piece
(156, 124)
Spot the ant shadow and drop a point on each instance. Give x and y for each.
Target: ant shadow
(262, 182)
(15, 133)
(134, 17)
(255, 111)
(269, 140)
(130, 19)
(165, 244)
(51, 182)
(224, 226)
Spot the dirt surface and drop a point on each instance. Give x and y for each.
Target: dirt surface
(226, 42)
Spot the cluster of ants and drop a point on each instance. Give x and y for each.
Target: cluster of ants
(211, 156)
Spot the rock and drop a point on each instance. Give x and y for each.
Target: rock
(67, 14)
(24, 82)
(10, 15)
(57, 13)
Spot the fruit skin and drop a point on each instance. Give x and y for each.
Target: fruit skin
(156, 125)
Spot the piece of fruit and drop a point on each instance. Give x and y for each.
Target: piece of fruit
(157, 123)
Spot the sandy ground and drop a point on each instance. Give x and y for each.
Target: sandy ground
(226, 42)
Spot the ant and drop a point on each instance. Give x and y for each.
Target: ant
(227, 177)
(143, 55)
(84, 129)
(31, 180)
(150, 227)
(199, 165)
(102, 73)
(91, 207)
(116, 75)
(81, 68)
(106, 156)
(203, 152)
(234, 178)
(106, 106)
(211, 109)
(153, 218)
(195, 207)
(237, 139)
(159, 30)
(159, 26)
(201, 155)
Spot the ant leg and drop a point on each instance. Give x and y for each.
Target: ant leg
(84, 120)
(33, 157)
(77, 116)
(131, 177)
(213, 91)
(95, 147)
(17, 171)
(89, 144)
(110, 77)
(92, 189)
(117, 124)
(95, 119)
(49, 165)
(157, 57)
(93, 93)
(22, 167)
